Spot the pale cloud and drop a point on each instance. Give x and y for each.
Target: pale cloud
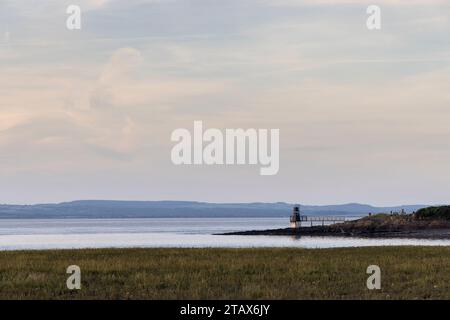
(121, 84)
(10, 120)
(122, 63)
(354, 2)
(114, 111)
(355, 108)
(96, 3)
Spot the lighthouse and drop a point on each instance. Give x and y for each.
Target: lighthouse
(295, 218)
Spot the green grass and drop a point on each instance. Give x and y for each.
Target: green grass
(407, 273)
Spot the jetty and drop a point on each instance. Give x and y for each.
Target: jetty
(298, 220)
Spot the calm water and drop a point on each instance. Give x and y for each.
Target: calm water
(104, 233)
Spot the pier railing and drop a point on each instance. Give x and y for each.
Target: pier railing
(328, 219)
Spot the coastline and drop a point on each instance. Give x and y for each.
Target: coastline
(431, 223)
(429, 234)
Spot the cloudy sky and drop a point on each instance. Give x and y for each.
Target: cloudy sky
(363, 115)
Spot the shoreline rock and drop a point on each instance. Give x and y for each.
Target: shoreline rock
(431, 234)
(416, 226)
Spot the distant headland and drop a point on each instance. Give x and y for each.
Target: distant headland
(426, 223)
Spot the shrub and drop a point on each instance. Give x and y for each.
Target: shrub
(442, 212)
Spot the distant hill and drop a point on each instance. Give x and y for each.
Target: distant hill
(165, 209)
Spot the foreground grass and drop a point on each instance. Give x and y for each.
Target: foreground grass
(407, 273)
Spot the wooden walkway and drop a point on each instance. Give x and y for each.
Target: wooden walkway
(327, 219)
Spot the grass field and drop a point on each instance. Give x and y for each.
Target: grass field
(407, 273)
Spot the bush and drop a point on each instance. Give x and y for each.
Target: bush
(442, 212)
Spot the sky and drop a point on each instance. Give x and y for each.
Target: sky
(88, 114)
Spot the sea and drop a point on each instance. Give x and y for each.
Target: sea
(34, 234)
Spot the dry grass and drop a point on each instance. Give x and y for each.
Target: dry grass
(407, 273)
